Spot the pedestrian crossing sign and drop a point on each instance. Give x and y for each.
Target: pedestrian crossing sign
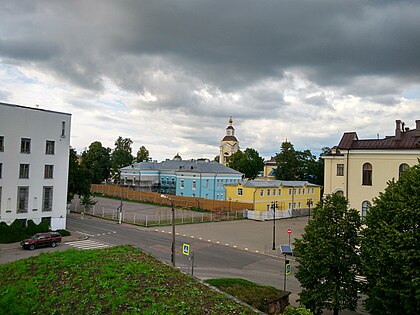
(288, 268)
(186, 249)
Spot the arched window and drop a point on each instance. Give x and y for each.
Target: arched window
(365, 208)
(340, 193)
(367, 174)
(403, 167)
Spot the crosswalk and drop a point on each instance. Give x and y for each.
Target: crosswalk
(87, 244)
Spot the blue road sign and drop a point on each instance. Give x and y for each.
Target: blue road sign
(186, 249)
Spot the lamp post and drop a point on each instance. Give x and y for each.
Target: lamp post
(274, 206)
(309, 203)
(173, 229)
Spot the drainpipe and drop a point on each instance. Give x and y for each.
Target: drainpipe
(253, 203)
(347, 174)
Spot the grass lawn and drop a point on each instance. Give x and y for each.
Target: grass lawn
(116, 280)
(247, 291)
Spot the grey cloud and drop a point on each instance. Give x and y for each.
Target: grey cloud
(228, 44)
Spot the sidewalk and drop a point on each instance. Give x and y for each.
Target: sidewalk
(73, 237)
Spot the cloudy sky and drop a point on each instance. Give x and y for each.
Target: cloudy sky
(168, 74)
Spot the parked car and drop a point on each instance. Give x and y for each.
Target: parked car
(42, 239)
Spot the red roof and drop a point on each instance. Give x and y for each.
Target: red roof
(409, 140)
(230, 138)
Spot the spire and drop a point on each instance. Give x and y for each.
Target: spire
(230, 120)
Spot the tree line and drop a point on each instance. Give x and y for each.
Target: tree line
(99, 163)
(291, 164)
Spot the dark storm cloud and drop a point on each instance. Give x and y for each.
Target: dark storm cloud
(230, 45)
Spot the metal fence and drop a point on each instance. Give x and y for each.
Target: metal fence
(162, 216)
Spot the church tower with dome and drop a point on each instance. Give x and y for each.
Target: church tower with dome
(229, 144)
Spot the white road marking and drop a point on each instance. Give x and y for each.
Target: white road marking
(87, 244)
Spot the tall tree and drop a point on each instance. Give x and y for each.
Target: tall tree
(121, 156)
(78, 179)
(328, 257)
(142, 154)
(248, 162)
(97, 160)
(298, 165)
(391, 248)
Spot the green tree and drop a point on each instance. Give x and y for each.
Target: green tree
(78, 179)
(298, 165)
(391, 248)
(248, 162)
(97, 160)
(121, 156)
(142, 154)
(329, 260)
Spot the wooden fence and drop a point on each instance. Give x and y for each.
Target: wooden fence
(179, 201)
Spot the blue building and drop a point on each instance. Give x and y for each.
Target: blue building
(191, 178)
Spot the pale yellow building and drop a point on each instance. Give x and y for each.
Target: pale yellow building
(270, 168)
(229, 144)
(291, 197)
(360, 169)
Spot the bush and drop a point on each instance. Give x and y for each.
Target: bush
(16, 232)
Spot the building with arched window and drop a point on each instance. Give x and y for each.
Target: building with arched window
(360, 169)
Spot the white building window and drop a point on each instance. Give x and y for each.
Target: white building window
(181, 184)
(25, 145)
(340, 169)
(24, 171)
(279, 192)
(194, 184)
(49, 171)
(1, 143)
(49, 147)
(22, 200)
(47, 199)
(63, 129)
(262, 192)
(1, 169)
(207, 183)
(303, 191)
(290, 191)
(274, 192)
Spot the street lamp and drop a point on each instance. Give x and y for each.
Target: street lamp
(309, 203)
(274, 206)
(173, 229)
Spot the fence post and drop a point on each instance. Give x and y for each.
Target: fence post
(93, 213)
(192, 217)
(146, 220)
(202, 217)
(211, 216)
(182, 218)
(159, 220)
(103, 212)
(134, 218)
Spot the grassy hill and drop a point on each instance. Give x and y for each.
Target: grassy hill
(116, 280)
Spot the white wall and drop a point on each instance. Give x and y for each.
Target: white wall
(18, 122)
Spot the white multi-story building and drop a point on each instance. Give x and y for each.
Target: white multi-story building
(34, 159)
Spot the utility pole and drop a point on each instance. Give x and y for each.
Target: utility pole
(173, 229)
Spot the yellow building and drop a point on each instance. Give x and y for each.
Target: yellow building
(360, 169)
(292, 197)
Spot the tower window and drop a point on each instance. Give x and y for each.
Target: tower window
(340, 169)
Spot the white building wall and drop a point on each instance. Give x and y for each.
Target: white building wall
(18, 122)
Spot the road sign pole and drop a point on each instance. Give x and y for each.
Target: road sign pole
(192, 265)
(285, 276)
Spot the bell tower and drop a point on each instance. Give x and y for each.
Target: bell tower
(229, 144)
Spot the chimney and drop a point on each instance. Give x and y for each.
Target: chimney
(417, 128)
(398, 129)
